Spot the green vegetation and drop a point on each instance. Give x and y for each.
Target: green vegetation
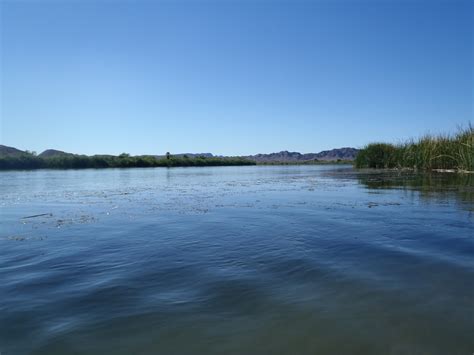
(30, 161)
(428, 153)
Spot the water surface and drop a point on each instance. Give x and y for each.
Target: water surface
(236, 260)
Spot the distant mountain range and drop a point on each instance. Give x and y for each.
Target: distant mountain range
(288, 157)
(280, 157)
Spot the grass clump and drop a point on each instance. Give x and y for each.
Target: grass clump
(427, 153)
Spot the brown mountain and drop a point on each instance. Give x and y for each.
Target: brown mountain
(52, 153)
(289, 157)
(345, 153)
(6, 151)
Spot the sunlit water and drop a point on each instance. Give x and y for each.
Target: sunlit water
(236, 260)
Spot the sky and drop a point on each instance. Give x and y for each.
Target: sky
(231, 77)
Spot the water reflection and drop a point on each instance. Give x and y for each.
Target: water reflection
(433, 187)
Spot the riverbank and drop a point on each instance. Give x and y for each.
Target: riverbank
(430, 153)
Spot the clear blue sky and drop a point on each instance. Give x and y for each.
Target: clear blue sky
(232, 77)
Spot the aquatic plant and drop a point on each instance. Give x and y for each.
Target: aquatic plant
(427, 153)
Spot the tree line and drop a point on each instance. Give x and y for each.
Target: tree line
(29, 161)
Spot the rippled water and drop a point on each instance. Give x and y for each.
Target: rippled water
(236, 260)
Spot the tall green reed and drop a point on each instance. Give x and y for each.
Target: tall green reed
(427, 153)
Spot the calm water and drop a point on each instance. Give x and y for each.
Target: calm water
(236, 260)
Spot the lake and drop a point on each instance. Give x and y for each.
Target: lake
(236, 260)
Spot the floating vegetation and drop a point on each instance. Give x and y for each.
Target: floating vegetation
(21, 238)
(38, 215)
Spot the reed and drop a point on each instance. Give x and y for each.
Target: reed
(427, 153)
